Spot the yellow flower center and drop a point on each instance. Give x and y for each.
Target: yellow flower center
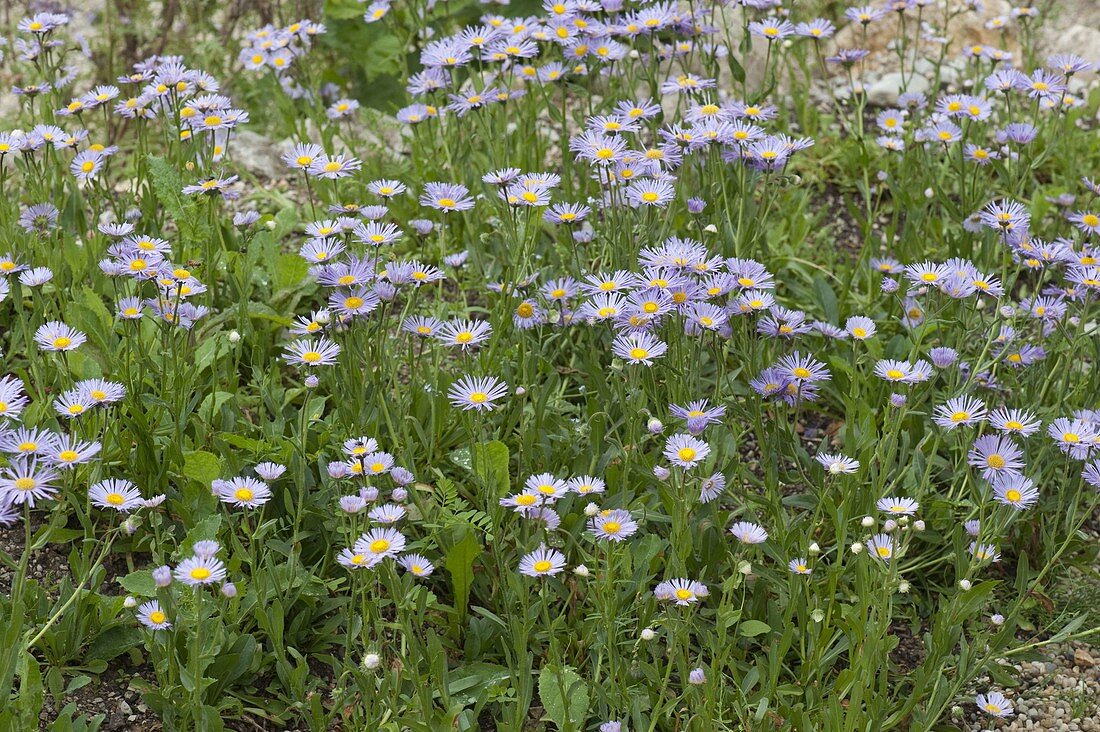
(883, 551)
(800, 372)
(243, 494)
(157, 617)
(995, 461)
(67, 456)
(311, 356)
(686, 454)
(115, 499)
(446, 202)
(200, 573)
(353, 302)
(684, 594)
(62, 342)
(960, 416)
(379, 545)
(1013, 495)
(525, 500)
(464, 337)
(542, 566)
(1071, 437)
(612, 527)
(24, 484)
(638, 353)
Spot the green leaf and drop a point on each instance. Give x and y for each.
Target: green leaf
(826, 298)
(290, 269)
(459, 561)
(491, 462)
(167, 185)
(201, 467)
(753, 628)
(139, 583)
(113, 642)
(568, 710)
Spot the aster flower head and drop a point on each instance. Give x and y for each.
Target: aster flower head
(837, 464)
(312, 353)
(614, 525)
(1014, 421)
(1015, 490)
(995, 704)
(56, 336)
(446, 197)
(898, 506)
(543, 562)
(960, 411)
(242, 492)
(680, 591)
(152, 616)
(881, 546)
(639, 347)
(747, 532)
(120, 495)
(379, 544)
(200, 570)
(997, 456)
(686, 451)
(799, 565)
(25, 481)
(477, 393)
(416, 565)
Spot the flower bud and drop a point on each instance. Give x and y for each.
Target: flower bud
(964, 585)
(660, 472)
(856, 548)
(918, 525)
(745, 568)
(997, 619)
(162, 576)
(867, 522)
(890, 525)
(520, 391)
(399, 494)
(814, 548)
(697, 676)
(234, 336)
(371, 661)
(129, 602)
(817, 616)
(591, 510)
(903, 587)
(580, 570)
(710, 229)
(229, 589)
(654, 426)
(648, 634)
(312, 381)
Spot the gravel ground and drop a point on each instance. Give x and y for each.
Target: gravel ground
(1062, 693)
